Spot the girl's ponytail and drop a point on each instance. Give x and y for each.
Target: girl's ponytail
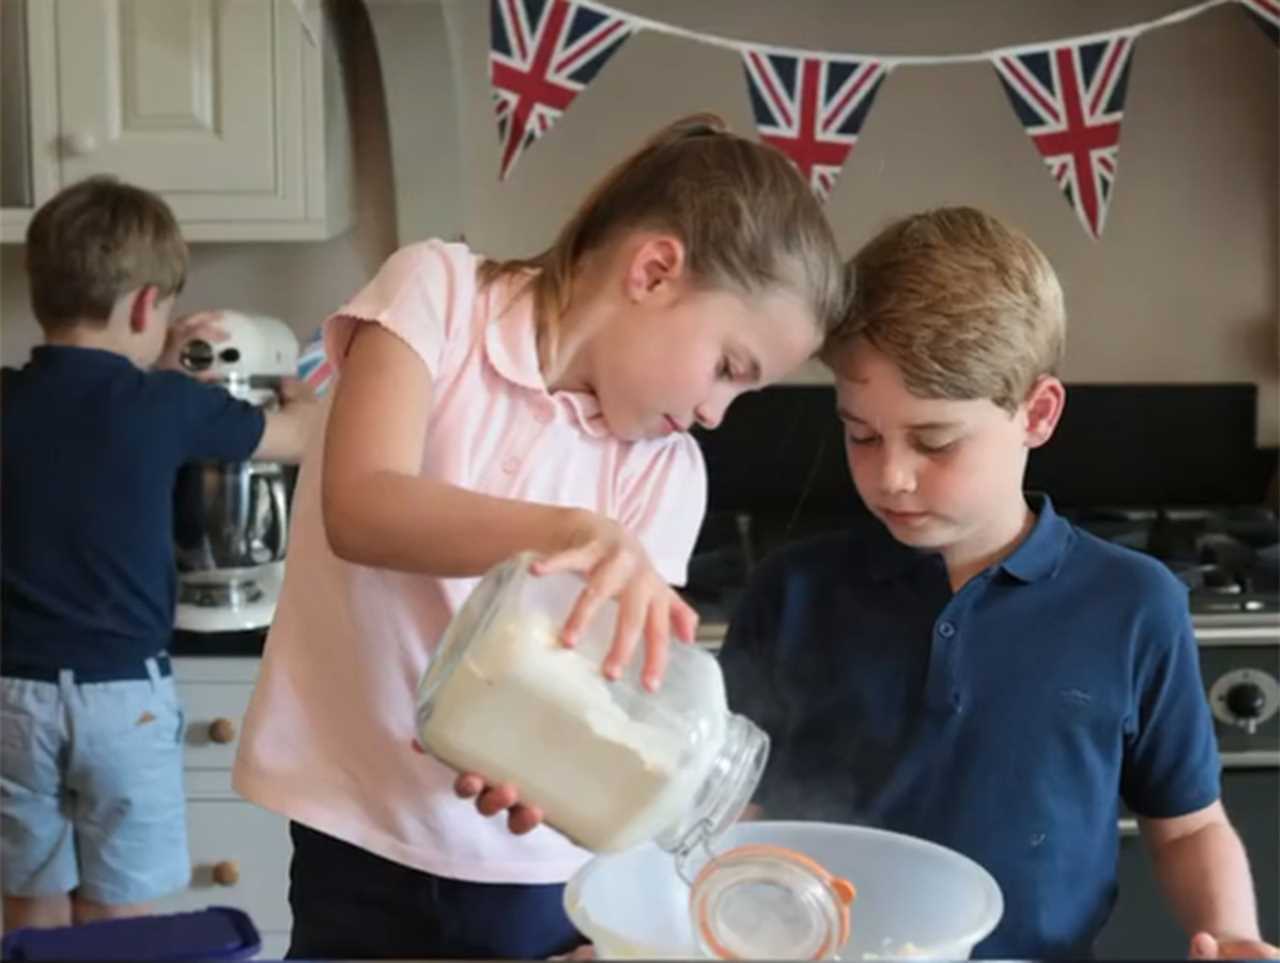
(745, 215)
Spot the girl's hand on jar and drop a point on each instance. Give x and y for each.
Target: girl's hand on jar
(616, 566)
(491, 800)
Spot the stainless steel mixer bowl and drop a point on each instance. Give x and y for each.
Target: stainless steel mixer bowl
(230, 515)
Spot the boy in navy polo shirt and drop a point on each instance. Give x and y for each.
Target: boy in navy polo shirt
(966, 666)
(92, 819)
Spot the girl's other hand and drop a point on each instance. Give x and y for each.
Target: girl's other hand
(616, 565)
(491, 800)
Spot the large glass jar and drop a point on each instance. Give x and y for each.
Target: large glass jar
(609, 763)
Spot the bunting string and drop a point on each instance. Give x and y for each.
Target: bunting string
(1068, 94)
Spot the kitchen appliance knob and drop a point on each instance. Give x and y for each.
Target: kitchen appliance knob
(226, 873)
(196, 355)
(222, 730)
(1246, 700)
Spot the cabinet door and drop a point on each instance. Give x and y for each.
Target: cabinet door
(195, 99)
(239, 857)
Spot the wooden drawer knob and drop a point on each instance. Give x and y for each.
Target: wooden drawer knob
(222, 730)
(226, 873)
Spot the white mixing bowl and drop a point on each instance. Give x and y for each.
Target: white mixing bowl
(915, 899)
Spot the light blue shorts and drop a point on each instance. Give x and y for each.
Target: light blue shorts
(92, 797)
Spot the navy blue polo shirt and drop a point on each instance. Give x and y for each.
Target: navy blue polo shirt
(91, 449)
(1005, 720)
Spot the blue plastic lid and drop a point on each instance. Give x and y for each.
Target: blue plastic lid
(216, 933)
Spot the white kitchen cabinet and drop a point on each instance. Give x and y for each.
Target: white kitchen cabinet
(239, 852)
(233, 110)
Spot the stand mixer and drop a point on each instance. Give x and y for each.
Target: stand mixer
(231, 518)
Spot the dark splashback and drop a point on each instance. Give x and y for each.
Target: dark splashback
(781, 452)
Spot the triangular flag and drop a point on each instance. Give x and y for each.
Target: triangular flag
(1267, 14)
(811, 107)
(1070, 99)
(542, 53)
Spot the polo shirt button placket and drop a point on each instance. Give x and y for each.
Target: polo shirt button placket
(946, 631)
(543, 415)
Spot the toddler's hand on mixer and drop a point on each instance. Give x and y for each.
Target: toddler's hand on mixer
(289, 427)
(295, 391)
(616, 566)
(491, 800)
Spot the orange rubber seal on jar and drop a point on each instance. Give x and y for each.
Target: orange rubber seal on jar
(845, 892)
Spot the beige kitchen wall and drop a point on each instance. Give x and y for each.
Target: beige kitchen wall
(1182, 287)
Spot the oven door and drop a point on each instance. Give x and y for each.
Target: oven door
(1143, 926)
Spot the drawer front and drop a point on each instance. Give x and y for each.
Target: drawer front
(239, 857)
(215, 713)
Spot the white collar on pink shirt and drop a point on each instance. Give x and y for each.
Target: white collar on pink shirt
(511, 346)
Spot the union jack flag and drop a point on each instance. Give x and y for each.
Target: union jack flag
(542, 53)
(811, 108)
(314, 367)
(1267, 13)
(1070, 100)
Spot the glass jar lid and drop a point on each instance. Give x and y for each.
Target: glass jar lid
(769, 902)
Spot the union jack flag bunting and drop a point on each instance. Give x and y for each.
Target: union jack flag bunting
(811, 107)
(542, 53)
(1070, 100)
(314, 367)
(1267, 13)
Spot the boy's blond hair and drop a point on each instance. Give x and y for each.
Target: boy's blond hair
(966, 306)
(96, 240)
(747, 217)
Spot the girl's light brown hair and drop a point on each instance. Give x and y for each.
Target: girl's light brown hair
(96, 240)
(747, 219)
(965, 306)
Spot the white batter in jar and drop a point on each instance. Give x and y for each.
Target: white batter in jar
(610, 764)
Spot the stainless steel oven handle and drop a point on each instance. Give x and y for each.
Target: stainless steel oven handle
(1251, 759)
(1238, 635)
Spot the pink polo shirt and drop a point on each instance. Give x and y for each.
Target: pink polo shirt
(327, 740)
